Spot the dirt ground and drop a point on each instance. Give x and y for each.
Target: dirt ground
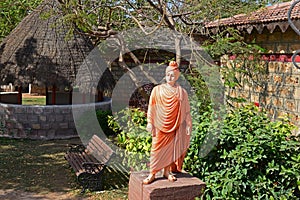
(11, 194)
(37, 170)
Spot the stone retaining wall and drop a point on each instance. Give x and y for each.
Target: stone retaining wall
(278, 90)
(42, 122)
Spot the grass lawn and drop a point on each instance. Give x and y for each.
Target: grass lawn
(39, 167)
(34, 100)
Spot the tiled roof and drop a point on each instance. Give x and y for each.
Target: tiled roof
(271, 14)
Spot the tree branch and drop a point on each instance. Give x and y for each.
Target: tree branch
(139, 24)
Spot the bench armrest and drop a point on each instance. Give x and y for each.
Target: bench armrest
(77, 148)
(92, 166)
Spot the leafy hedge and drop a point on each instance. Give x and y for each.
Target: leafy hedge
(254, 158)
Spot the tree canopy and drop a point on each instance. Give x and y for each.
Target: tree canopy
(12, 12)
(101, 18)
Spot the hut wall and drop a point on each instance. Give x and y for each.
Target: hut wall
(42, 122)
(9, 97)
(277, 41)
(63, 98)
(39, 90)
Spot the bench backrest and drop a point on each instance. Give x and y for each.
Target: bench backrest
(99, 149)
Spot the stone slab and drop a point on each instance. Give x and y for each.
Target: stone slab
(186, 187)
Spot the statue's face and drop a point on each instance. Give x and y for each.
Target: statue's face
(172, 76)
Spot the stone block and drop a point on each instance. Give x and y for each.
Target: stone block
(290, 105)
(185, 188)
(19, 110)
(298, 106)
(42, 133)
(43, 118)
(65, 133)
(2, 110)
(258, 88)
(22, 134)
(38, 110)
(278, 102)
(32, 118)
(29, 110)
(66, 110)
(277, 79)
(14, 132)
(292, 80)
(56, 110)
(59, 118)
(48, 110)
(21, 117)
(36, 126)
(297, 93)
(51, 118)
(254, 97)
(45, 126)
(272, 67)
(69, 118)
(63, 125)
(51, 134)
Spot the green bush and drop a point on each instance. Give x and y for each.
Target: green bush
(130, 124)
(254, 158)
(102, 117)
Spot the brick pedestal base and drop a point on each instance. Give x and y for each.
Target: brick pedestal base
(185, 188)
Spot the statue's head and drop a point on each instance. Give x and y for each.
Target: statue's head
(172, 72)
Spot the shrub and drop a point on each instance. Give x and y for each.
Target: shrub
(254, 158)
(130, 124)
(102, 117)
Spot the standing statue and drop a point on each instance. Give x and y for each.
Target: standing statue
(170, 124)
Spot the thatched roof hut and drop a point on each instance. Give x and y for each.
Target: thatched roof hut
(38, 52)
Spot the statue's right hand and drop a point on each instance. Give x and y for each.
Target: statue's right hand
(149, 127)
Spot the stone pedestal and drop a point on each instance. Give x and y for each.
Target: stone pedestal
(185, 188)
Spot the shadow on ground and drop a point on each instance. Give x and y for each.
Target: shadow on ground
(38, 167)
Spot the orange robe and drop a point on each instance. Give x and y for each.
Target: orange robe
(169, 114)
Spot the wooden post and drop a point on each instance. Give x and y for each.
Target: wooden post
(47, 96)
(83, 97)
(100, 95)
(53, 94)
(20, 95)
(92, 96)
(29, 88)
(70, 95)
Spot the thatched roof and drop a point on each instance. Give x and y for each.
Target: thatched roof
(38, 52)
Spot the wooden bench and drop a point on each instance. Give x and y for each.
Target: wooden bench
(90, 162)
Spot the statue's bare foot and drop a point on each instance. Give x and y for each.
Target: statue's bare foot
(170, 177)
(149, 179)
